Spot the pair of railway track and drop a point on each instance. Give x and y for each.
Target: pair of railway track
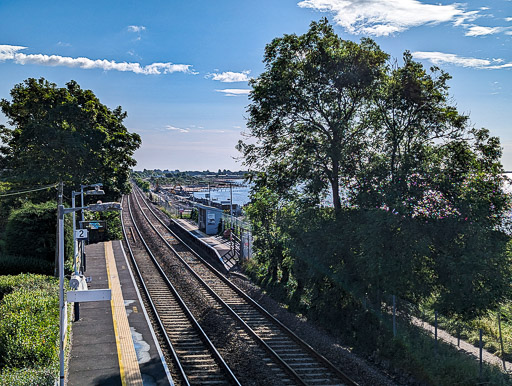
(196, 360)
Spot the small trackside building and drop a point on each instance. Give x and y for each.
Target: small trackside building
(208, 219)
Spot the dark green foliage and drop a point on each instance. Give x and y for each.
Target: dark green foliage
(29, 319)
(65, 134)
(143, 184)
(113, 219)
(306, 107)
(30, 232)
(424, 205)
(418, 203)
(13, 265)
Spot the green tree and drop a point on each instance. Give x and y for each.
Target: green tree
(265, 214)
(426, 205)
(412, 121)
(308, 109)
(65, 134)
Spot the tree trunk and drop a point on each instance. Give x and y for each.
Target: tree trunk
(285, 274)
(336, 194)
(335, 184)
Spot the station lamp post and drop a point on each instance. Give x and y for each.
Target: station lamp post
(95, 192)
(93, 295)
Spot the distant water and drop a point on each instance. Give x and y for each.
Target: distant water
(240, 194)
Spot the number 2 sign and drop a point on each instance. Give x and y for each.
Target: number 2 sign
(81, 234)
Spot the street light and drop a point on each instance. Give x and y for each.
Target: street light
(62, 301)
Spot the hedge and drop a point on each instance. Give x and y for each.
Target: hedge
(29, 320)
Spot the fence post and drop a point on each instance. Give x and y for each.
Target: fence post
(501, 341)
(435, 325)
(481, 349)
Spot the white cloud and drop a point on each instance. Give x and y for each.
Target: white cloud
(8, 52)
(63, 44)
(11, 53)
(230, 77)
(477, 30)
(439, 58)
(382, 18)
(136, 28)
(508, 19)
(172, 128)
(234, 91)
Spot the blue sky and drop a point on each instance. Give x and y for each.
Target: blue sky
(180, 68)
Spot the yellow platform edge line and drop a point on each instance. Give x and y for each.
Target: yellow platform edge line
(128, 364)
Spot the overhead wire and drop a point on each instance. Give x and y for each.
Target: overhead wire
(29, 190)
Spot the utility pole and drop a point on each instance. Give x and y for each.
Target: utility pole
(231, 202)
(59, 200)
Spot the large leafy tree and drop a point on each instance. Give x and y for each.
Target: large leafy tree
(64, 134)
(426, 205)
(308, 109)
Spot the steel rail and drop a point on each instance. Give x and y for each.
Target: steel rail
(148, 296)
(339, 374)
(231, 378)
(260, 341)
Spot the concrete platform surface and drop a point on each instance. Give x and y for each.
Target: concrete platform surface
(113, 342)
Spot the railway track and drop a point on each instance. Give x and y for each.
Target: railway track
(196, 359)
(300, 363)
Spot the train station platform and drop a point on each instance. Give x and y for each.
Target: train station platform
(221, 245)
(113, 342)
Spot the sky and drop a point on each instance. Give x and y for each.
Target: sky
(181, 68)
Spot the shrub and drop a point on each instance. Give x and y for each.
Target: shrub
(27, 377)
(30, 231)
(29, 319)
(13, 265)
(30, 234)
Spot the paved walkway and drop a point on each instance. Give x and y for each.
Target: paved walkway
(113, 342)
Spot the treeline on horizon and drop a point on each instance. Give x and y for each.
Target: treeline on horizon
(146, 173)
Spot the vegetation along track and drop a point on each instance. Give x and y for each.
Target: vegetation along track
(196, 359)
(301, 362)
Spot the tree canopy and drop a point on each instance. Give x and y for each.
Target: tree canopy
(64, 134)
(424, 204)
(308, 108)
